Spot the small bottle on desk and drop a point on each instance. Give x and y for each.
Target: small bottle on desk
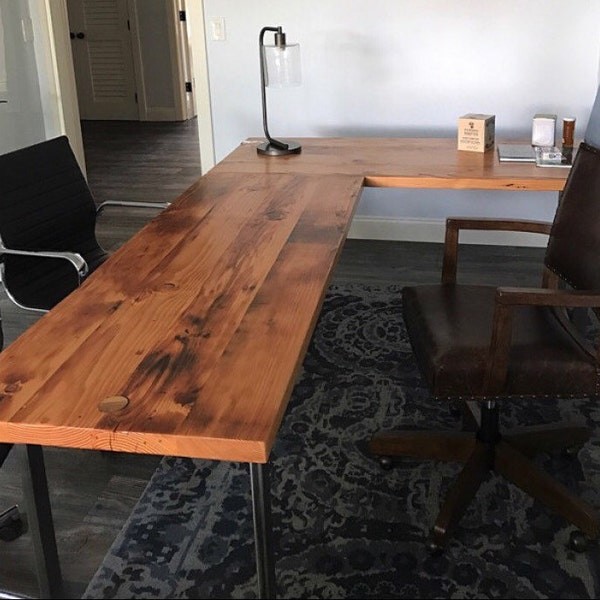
(568, 134)
(568, 139)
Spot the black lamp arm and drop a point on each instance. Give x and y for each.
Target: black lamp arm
(279, 40)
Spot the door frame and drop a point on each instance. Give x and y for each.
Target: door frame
(63, 58)
(182, 59)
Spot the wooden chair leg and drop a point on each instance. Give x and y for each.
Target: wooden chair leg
(460, 494)
(517, 468)
(446, 446)
(509, 456)
(547, 438)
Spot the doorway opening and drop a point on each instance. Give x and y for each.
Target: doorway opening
(132, 59)
(139, 61)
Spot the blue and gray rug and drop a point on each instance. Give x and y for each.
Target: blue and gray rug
(344, 528)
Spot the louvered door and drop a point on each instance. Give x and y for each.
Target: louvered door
(102, 58)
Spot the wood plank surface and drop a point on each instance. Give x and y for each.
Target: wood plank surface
(93, 492)
(201, 321)
(400, 162)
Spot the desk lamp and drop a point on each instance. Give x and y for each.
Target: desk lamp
(279, 67)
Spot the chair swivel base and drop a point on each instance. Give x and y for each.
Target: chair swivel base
(509, 455)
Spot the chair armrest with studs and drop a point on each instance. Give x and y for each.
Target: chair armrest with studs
(507, 298)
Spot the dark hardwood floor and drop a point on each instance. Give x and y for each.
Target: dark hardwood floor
(92, 492)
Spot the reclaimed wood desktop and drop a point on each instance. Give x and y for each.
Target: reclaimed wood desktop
(401, 163)
(188, 340)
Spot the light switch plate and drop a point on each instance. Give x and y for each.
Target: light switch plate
(217, 29)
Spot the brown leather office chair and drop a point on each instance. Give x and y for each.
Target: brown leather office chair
(481, 346)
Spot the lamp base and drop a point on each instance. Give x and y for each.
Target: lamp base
(270, 150)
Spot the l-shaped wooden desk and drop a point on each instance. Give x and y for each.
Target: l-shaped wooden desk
(188, 340)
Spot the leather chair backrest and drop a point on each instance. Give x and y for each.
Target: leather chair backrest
(45, 202)
(573, 250)
(592, 130)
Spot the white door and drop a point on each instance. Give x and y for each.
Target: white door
(102, 59)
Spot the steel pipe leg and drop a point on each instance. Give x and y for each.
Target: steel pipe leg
(39, 515)
(263, 529)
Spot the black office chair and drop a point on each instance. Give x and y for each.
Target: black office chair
(479, 346)
(48, 242)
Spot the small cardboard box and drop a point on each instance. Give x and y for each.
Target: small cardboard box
(476, 132)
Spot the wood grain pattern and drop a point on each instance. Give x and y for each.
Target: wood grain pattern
(200, 320)
(401, 162)
(93, 492)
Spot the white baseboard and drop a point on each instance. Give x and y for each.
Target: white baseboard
(160, 114)
(432, 230)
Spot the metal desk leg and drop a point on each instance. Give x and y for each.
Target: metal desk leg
(39, 516)
(263, 529)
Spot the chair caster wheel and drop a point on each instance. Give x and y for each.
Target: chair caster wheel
(11, 532)
(578, 541)
(12, 525)
(434, 548)
(386, 463)
(571, 452)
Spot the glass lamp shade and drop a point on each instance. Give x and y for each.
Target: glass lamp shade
(282, 65)
(279, 67)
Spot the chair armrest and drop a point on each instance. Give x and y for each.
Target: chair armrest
(547, 297)
(156, 205)
(509, 297)
(455, 224)
(73, 257)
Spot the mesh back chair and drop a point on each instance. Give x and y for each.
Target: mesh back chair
(48, 244)
(480, 346)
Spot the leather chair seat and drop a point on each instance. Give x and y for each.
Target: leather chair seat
(450, 327)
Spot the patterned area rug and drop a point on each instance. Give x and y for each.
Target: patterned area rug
(343, 527)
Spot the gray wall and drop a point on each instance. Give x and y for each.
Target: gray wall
(29, 115)
(409, 68)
